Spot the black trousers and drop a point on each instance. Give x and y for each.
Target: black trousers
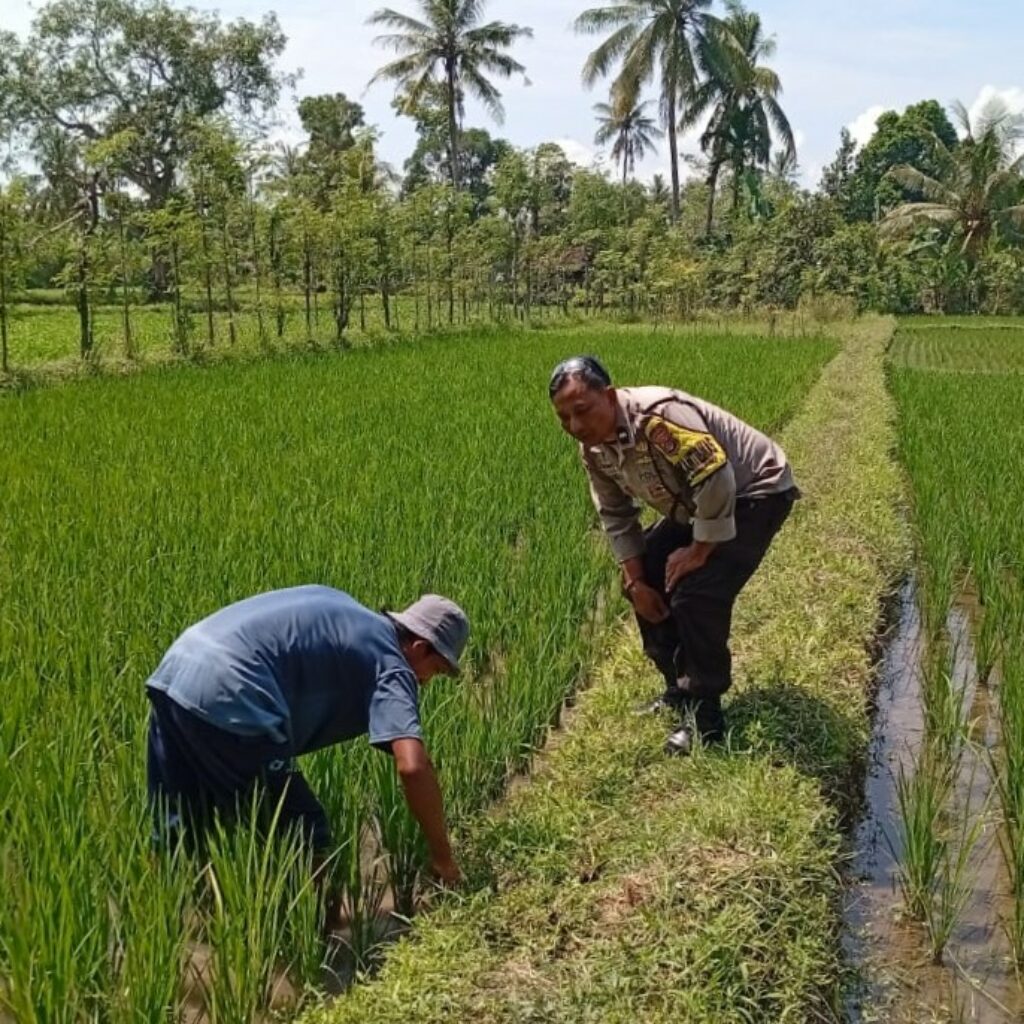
(196, 771)
(691, 647)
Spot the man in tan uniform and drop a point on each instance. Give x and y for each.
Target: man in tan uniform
(723, 490)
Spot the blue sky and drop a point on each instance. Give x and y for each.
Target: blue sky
(841, 62)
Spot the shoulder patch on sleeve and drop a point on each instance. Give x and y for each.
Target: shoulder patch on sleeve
(696, 453)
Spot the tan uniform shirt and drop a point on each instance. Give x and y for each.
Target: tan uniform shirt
(686, 458)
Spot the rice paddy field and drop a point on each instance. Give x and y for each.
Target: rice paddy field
(44, 329)
(959, 393)
(44, 333)
(969, 345)
(132, 507)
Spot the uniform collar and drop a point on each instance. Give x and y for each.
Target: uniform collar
(625, 436)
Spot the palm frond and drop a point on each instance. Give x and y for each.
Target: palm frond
(485, 93)
(390, 18)
(910, 216)
(639, 61)
(402, 69)
(1014, 217)
(400, 42)
(497, 34)
(781, 126)
(917, 181)
(495, 62)
(599, 19)
(599, 63)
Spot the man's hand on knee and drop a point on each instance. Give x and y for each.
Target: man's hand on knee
(684, 561)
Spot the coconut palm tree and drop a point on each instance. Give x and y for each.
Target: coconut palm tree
(625, 124)
(979, 192)
(452, 46)
(662, 39)
(739, 97)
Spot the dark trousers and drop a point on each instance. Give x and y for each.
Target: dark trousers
(196, 771)
(691, 647)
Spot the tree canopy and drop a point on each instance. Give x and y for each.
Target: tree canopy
(141, 72)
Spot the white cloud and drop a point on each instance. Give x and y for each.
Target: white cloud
(811, 175)
(578, 152)
(1012, 98)
(862, 127)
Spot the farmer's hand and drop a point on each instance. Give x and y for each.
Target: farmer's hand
(447, 872)
(684, 561)
(648, 603)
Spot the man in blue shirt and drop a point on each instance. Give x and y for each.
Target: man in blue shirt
(239, 695)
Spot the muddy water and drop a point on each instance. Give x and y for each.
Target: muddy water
(900, 984)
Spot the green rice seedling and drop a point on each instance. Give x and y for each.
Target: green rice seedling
(943, 699)
(1008, 770)
(57, 928)
(954, 884)
(255, 877)
(401, 841)
(303, 945)
(357, 880)
(1011, 841)
(968, 493)
(959, 347)
(921, 796)
(151, 933)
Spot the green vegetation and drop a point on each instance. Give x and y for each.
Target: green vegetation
(141, 186)
(961, 436)
(147, 219)
(985, 346)
(133, 507)
(620, 886)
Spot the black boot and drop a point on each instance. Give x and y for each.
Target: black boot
(671, 700)
(702, 718)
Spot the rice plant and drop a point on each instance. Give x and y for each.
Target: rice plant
(134, 507)
(921, 796)
(961, 438)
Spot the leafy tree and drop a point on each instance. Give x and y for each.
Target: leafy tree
(451, 46)
(739, 96)
(330, 121)
(96, 68)
(334, 126)
(625, 124)
(659, 192)
(216, 182)
(977, 194)
(551, 180)
(907, 138)
(479, 154)
(652, 39)
(13, 245)
(836, 177)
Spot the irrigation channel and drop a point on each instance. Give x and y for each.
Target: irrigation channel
(899, 980)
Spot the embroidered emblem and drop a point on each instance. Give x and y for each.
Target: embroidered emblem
(697, 454)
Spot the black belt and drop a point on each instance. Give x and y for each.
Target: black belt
(791, 494)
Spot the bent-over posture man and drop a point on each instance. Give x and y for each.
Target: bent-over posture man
(242, 693)
(723, 489)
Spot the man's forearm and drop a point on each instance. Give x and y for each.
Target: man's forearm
(423, 795)
(632, 569)
(703, 548)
